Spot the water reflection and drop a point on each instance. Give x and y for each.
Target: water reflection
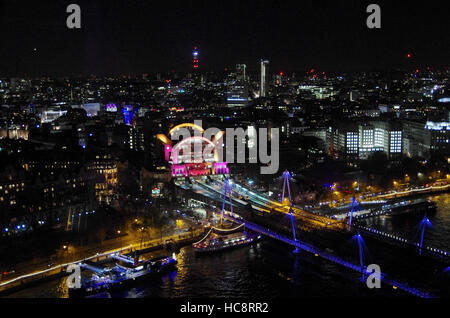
(266, 269)
(407, 225)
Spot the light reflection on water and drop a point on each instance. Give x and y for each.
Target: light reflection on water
(266, 269)
(408, 225)
(263, 270)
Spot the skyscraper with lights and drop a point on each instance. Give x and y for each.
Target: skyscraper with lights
(237, 92)
(262, 91)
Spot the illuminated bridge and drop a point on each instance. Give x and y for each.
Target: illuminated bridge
(196, 159)
(362, 269)
(392, 238)
(213, 188)
(197, 170)
(241, 196)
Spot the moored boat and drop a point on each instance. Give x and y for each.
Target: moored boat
(127, 271)
(220, 239)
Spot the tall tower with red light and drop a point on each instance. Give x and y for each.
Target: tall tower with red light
(195, 56)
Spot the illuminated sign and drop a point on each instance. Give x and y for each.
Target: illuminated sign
(156, 192)
(111, 107)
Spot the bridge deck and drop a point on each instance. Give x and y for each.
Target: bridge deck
(314, 250)
(328, 223)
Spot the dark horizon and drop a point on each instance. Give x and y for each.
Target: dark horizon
(123, 37)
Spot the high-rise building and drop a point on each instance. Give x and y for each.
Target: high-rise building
(237, 92)
(195, 56)
(423, 138)
(417, 139)
(262, 90)
(136, 137)
(241, 72)
(388, 136)
(343, 140)
(360, 140)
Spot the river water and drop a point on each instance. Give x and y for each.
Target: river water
(268, 269)
(438, 236)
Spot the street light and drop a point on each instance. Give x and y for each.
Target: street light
(120, 237)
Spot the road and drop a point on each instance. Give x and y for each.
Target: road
(39, 267)
(263, 203)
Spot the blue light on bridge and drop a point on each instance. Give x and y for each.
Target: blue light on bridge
(361, 247)
(332, 258)
(423, 225)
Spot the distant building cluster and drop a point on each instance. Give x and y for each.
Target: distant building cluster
(66, 140)
(396, 138)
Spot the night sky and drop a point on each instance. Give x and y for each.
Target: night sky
(135, 37)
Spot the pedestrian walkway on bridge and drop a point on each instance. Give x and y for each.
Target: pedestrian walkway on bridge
(332, 258)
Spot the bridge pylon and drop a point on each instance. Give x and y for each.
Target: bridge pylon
(226, 190)
(296, 251)
(360, 248)
(353, 204)
(286, 178)
(423, 225)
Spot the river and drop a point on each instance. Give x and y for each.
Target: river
(268, 269)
